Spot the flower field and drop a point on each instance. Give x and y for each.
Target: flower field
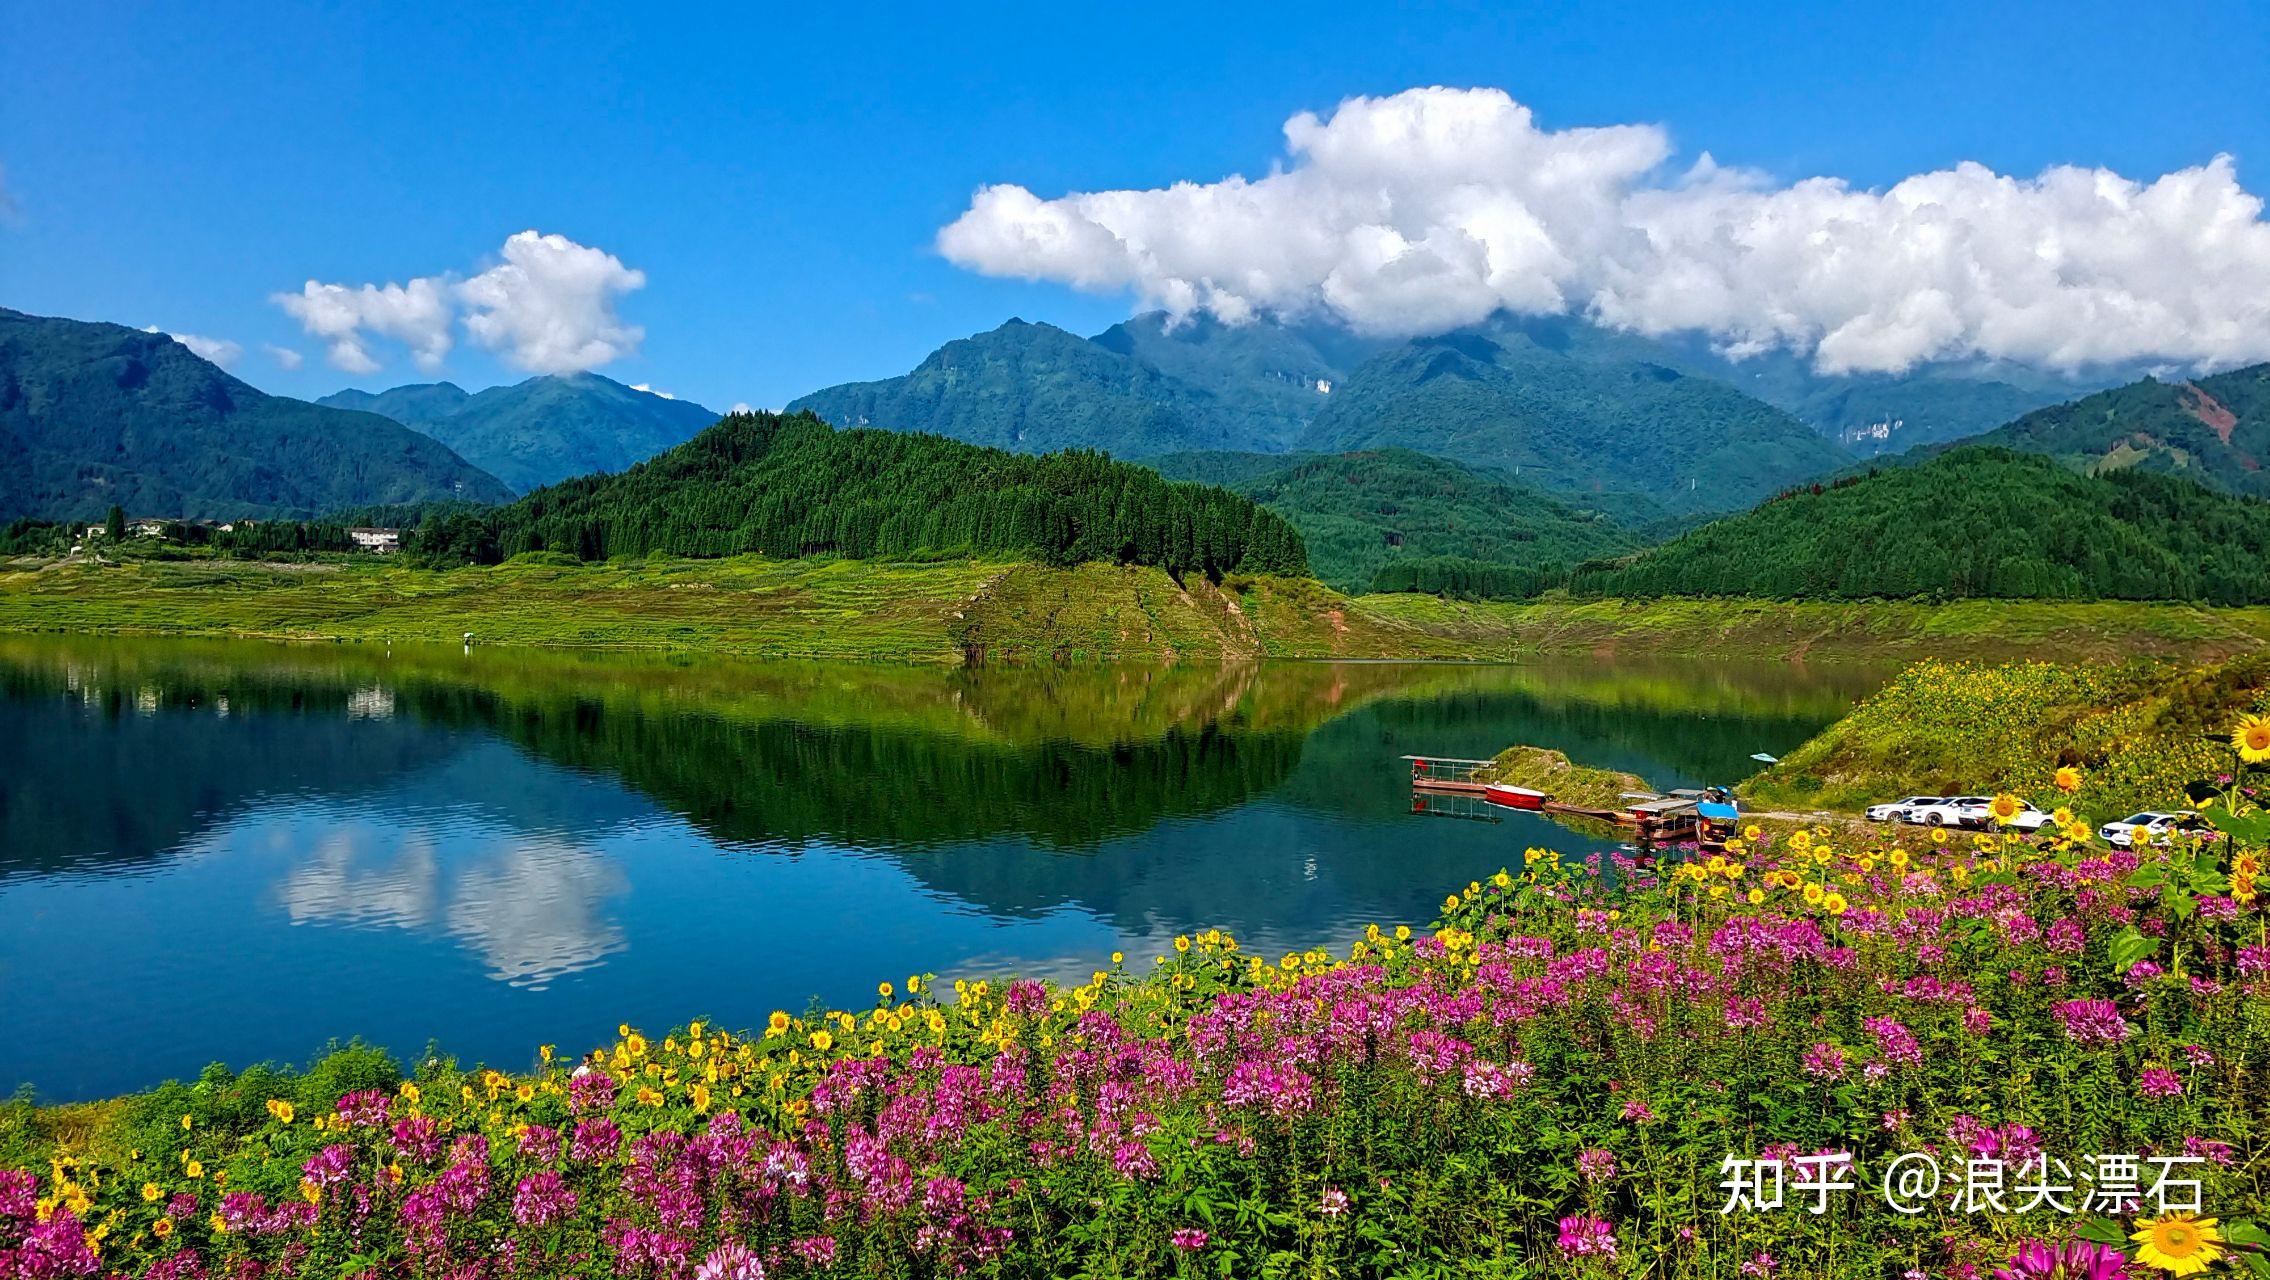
(1577, 1071)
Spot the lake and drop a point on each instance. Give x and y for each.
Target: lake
(228, 851)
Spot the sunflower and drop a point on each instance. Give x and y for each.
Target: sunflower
(2068, 779)
(2179, 1244)
(2006, 807)
(2251, 738)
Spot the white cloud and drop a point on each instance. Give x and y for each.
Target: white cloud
(741, 406)
(548, 306)
(220, 351)
(652, 390)
(285, 357)
(416, 314)
(1436, 207)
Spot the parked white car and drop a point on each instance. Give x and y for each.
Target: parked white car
(1952, 811)
(2150, 828)
(1897, 810)
(2027, 819)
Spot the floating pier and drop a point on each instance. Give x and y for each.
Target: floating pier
(1450, 786)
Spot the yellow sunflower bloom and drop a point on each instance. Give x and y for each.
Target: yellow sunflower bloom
(2068, 779)
(2179, 1244)
(2251, 738)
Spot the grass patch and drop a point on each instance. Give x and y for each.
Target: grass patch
(951, 611)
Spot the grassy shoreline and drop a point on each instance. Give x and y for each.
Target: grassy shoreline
(983, 611)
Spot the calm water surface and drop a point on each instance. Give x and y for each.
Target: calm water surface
(238, 852)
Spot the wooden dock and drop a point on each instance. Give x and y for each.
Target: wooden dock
(1653, 820)
(1447, 775)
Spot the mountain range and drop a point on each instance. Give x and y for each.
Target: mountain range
(1614, 417)
(94, 415)
(543, 430)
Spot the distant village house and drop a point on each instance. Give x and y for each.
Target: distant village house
(379, 540)
(144, 528)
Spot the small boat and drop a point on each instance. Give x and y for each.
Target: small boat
(1500, 794)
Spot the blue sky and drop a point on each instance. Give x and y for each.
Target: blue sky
(780, 178)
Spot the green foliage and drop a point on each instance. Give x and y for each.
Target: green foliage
(32, 537)
(1973, 522)
(2215, 430)
(1462, 579)
(543, 430)
(791, 485)
(96, 415)
(1426, 524)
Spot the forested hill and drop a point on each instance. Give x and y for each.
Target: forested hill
(790, 485)
(95, 415)
(1360, 513)
(1976, 521)
(2215, 430)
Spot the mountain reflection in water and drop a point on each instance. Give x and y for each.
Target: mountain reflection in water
(237, 851)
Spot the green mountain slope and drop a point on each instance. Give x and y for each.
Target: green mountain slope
(1975, 521)
(1359, 512)
(791, 485)
(2215, 430)
(1876, 413)
(545, 429)
(1035, 388)
(1276, 376)
(93, 415)
(1570, 409)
